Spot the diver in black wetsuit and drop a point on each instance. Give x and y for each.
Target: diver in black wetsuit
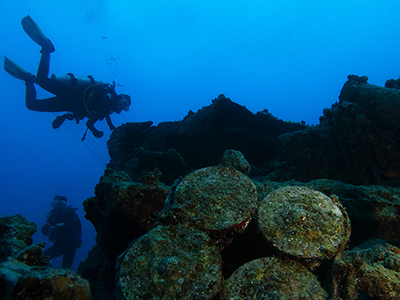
(64, 228)
(79, 97)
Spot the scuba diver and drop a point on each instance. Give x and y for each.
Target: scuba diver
(64, 229)
(79, 97)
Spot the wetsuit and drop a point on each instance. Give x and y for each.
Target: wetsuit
(66, 238)
(69, 98)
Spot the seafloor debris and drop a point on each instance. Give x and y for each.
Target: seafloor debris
(272, 278)
(372, 268)
(304, 224)
(218, 200)
(171, 262)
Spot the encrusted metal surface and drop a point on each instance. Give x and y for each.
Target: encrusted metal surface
(272, 278)
(215, 198)
(171, 262)
(304, 223)
(218, 200)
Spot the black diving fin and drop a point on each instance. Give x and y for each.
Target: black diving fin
(34, 32)
(16, 71)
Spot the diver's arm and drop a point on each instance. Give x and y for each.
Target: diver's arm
(109, 123)
(90, 125)
(46, 228)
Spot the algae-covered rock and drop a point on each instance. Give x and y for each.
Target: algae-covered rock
(357, 140)
(202, 137)
(21, 282)
(373, 268)
(218, 200)
(170, 163)
(373, 210)
(272, 278)
(304, 224)
(25, 272)
(15, 234)
(235, 159)
(171, 262)
(122, 211)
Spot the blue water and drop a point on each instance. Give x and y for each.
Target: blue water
(291, 57)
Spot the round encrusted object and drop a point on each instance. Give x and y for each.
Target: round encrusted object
(304, 223)
(215, 198)
(171, 262)
(272, 278)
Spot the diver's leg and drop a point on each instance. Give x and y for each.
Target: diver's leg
(42, 75)
(43, 80)
(54, 251)
(68, 257)
(54, 104)
(44, 66)
(30, 95)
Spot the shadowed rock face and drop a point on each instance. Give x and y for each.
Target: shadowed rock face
(357, 140)
(202, 137)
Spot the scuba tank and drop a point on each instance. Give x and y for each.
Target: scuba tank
(79, 83)
(88, 86)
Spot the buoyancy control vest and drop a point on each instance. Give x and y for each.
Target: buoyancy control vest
(69, 217)
(87, 85)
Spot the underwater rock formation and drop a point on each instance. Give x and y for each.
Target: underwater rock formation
(371, 269)
(366, 205)
(170, 164)
(355, 143)
(22, 282)
(15, 235)
(357, 140)
(121, 211)
(202, 137)
(25, 273)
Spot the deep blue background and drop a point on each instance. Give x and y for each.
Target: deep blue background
(291, 57)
